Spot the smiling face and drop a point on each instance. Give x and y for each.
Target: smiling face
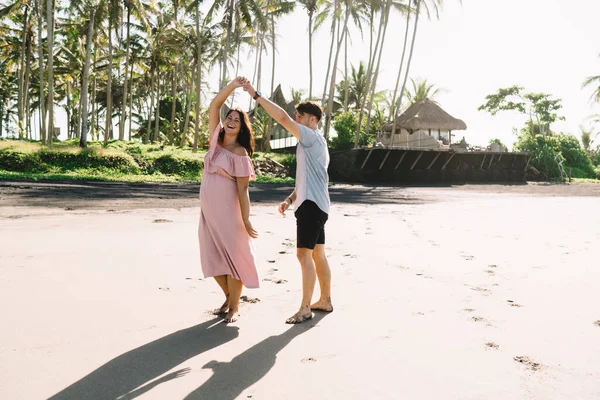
(232, 123)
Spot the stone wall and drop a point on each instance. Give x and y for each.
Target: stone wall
(426, 166)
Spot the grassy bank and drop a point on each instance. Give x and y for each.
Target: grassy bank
(118, 161)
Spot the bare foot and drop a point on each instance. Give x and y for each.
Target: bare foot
(323, 305)
(223, 309)
(299, 317)
(231, 316)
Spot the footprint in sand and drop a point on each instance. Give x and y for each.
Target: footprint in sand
(275, 280)
(528, 363)
(418, 313)
(271, 271)
(597, 323)
(350, 255)
(513, 304)
(308, 360)
(468, 309)
(164, 288)
(491, 346)
(247, 299)
(161, 221)
(483, 291)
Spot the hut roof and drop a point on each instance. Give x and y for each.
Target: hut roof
(424, 115)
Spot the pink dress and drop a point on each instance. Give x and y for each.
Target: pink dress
(225, 246)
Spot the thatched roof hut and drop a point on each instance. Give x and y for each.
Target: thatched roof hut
(426, 115)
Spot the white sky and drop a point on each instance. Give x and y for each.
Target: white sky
(473, 50)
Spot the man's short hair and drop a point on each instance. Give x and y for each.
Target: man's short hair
(310, 107)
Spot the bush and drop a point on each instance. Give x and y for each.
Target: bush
(345, 125)
(548, 151)
(12, 160)
(171, 163)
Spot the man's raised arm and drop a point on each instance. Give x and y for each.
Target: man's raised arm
(278, 113)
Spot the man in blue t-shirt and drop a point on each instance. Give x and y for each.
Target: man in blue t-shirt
(311, 197)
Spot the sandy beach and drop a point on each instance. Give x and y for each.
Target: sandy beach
(466, 292)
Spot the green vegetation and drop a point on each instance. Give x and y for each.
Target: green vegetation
(118, 161)
(555, 156)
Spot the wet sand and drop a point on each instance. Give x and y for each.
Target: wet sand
(457, 292)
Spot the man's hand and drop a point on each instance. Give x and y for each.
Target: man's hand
(250, 89)
(283, 206)
(253, 234)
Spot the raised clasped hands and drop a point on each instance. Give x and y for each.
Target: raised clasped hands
(239, 82)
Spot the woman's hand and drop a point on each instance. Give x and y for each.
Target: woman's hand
(239, 82)
(253, 234)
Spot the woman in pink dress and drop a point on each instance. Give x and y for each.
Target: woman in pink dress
(225, 232)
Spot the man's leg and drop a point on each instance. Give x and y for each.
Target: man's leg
(235, 291)
(324, 275)
(222, 281)
(309, 278)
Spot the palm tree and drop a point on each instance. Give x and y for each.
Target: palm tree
(247, 11)
(140, 12)
(593, 81)
(353, 90)
(50, 38)
(311, 7)
(421, 91)
(328, 109)
(417, 5)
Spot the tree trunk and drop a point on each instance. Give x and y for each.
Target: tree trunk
(369, 78)
(258, 51)
(188, 100)
(333, 27)
(335, 62)
(273, 50)
(392, 107)
(108, 122)
(124, 103)
(85, 82)
(147, 136)
(173, 103)
(130, 101)
(410, 54)
(93, 132)
(27, 81)
(21, 77)
(198, 78)
(157, 110)
(376, 75)
(42, 113)
(346, 83)
(50, 39)
(310, 69)
(226, 48)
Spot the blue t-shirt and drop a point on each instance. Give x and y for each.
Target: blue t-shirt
(312, 160)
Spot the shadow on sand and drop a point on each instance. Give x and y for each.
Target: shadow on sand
(120, 377)
(230, 379)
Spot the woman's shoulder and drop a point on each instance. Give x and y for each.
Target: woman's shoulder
(240, 151)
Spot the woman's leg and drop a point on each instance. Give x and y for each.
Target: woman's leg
(222, 281)
(235, 291)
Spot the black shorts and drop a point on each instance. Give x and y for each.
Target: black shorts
(310, 225)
